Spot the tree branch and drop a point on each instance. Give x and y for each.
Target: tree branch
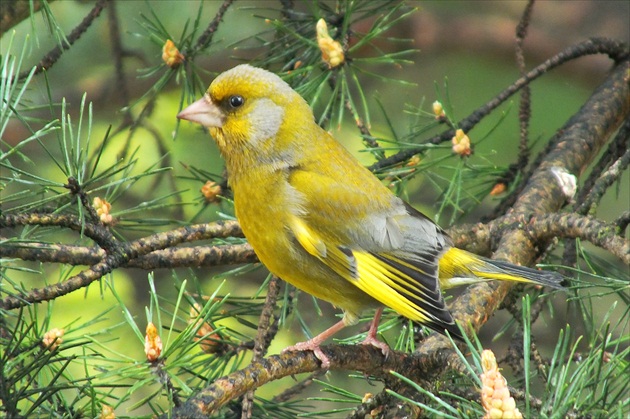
(53, 56)
(616, 50)
(120, 254)
(364, 358)
(180, 257)
(581, 139)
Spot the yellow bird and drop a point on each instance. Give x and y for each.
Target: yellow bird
(321, 221)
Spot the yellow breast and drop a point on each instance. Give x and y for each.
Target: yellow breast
(263, 211)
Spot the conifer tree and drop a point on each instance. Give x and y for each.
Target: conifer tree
(127, 288)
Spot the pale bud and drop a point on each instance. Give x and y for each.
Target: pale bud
(332, 51)
(152, 343)
(107, 412)
(461, 143)
(438, 110)
(103, 209)
(53, 338)
(566, 181)
(171, 55)
(495, 394)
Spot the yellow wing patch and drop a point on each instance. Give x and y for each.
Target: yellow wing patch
(405, 285)
(390, 286)
(408, 287)
(307, 238)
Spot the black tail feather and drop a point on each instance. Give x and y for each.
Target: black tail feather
(547, 278)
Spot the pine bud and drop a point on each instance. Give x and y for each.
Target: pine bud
(53, 338)
(103, 208)
(438, 110)
(332, 51)
(208, 341)
(171, 55)
(413, 161)
(107, 412)
(211, 190)
(495, 394)
(152, 343)
(461, 143)
(498, 189)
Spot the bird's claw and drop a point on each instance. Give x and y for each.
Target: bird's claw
(310, 346)
(371, 340)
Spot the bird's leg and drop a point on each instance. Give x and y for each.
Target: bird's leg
(314, 343)
(371, 338)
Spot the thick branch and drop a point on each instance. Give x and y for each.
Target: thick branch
(119, 254)
(179, 257)
(542, 228)
(582, 138)
(364, 358)
(595, 231)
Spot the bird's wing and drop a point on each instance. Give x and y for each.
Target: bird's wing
(394, 259)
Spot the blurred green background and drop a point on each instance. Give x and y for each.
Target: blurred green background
(468, 43)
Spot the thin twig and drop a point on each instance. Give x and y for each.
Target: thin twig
(119, 254)
(524, 114)
(614, 49)
(118, 52)
(206, 37)
(53, 56)
(177, 257)
(266, 331)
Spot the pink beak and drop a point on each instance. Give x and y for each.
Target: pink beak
(203, 112)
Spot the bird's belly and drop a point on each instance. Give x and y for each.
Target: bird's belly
(284, 257)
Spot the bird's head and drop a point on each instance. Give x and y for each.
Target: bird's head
(251, 112)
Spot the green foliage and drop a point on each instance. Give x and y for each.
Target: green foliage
(573, 382)
(58, 152)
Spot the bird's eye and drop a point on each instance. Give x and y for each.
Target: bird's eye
(236, 101)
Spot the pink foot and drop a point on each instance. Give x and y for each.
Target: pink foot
(372, 340)
(309, 345)
(313, 344)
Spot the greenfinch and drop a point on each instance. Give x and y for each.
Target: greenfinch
(321, 221)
